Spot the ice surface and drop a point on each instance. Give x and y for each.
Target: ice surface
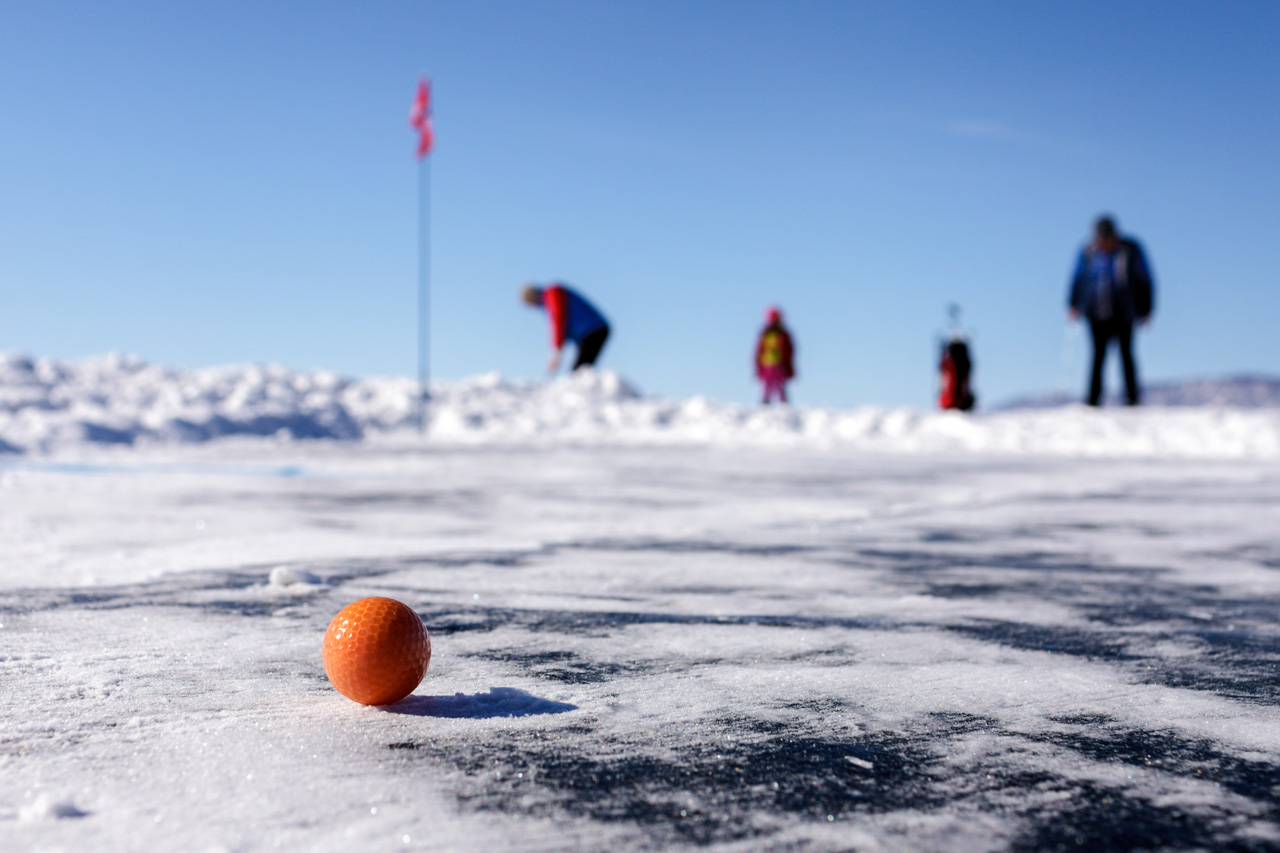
(755, 646)
(51, 407)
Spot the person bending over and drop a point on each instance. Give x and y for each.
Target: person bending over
(572, 318)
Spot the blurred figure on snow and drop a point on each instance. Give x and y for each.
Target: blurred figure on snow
(775, 354)
(572, 319)
(955, 368)
(1112, 288)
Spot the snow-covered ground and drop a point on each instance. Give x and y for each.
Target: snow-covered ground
(656, 625)
(50, 407)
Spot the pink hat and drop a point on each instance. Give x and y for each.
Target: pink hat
(773, 314)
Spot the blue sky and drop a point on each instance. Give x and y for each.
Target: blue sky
(212, 182)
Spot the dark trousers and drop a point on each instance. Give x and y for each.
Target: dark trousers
(1122, 332)
(590, 345)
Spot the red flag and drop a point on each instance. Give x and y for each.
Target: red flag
(420, 118)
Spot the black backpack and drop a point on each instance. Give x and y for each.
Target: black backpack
(1139, 285)
(957, 352)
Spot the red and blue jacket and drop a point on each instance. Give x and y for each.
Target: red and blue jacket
(572, 317)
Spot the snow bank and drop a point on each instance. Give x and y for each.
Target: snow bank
(47, 406)
(1237, 392)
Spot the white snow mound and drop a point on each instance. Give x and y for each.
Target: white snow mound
(45, 807)
(47, 406)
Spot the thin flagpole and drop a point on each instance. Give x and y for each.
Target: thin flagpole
(424, 289)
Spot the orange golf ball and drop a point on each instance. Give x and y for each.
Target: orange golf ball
(376, 651)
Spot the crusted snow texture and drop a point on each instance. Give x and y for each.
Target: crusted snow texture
(642, 649)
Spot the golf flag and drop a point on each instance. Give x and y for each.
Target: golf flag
(420, 118)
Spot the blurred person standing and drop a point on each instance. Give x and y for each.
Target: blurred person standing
(572, 318)
(955, 367)
(1112, 288)
(775, 358)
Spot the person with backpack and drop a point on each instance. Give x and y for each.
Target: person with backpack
(1112, 288)
(775, 358)
(572, 318)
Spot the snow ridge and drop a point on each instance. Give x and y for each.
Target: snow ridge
(48, 406)
(1239, 392)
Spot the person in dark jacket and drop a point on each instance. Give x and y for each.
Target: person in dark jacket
(572, 318)
(1112, 288)
(775, 357)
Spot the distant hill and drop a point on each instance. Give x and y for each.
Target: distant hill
(1241, 392)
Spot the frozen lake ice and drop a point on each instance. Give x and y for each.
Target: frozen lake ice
(642, 648)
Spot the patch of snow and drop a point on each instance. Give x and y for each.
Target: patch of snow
(287, 576)
(46, 807)
(1237, 392)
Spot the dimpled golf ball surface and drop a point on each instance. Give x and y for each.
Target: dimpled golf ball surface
(376, 651)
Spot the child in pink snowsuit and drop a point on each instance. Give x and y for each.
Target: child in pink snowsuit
(775, 358)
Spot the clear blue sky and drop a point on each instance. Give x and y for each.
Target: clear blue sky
(211, 182)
